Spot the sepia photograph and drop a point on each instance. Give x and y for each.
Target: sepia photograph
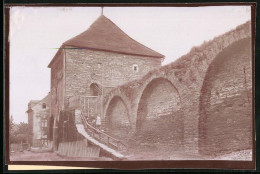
(131, 83)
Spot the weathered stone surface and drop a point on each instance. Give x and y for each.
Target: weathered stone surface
(57, 84)
(188, 74)
(200, 102)
(85, 67)
(117, 118)
(226, 101)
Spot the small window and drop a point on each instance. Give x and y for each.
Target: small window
(44, 123)
(44, 106)
(135, 68)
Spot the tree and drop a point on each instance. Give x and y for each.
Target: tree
(18, 132)
(12, 130)
(22, 132)
(11, 123)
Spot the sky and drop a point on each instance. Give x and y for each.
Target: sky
(36, 32)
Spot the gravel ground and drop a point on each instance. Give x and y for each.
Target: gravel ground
(243, 155)
(235, 156)
(48, 156)
(165, 152)
(139, 154)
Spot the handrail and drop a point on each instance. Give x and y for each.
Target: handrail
(93, 130)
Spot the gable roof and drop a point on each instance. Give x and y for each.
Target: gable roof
(104, 35)
(33, 103)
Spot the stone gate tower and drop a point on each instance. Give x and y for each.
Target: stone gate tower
(94, 62)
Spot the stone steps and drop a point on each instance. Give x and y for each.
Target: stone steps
(112, 152)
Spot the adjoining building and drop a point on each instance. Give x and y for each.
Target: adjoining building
(38, 118)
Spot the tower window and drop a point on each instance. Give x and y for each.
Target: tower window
(135, 67)
(95, 89)
(44, 106)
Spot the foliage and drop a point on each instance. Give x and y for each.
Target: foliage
(18, 132)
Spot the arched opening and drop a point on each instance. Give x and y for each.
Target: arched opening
(225, 123)
(117, 118)
(44, 106)
(95, 89)
(159, 118)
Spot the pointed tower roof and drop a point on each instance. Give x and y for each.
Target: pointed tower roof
(104, 35)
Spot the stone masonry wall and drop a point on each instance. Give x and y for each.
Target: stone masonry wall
(83, 68)
(226, 101)
(57, 80)
(187, 74)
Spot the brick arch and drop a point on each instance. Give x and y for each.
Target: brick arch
(117, 118)
(157, 75)
(227, 106)
(162, 124)
(123, 98)
(198, 61)
(203, 56)
(148, 82)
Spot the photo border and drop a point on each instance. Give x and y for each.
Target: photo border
(188, 164)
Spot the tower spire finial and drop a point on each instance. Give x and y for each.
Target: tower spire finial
(102, 10)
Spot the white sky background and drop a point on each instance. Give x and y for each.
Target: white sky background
(36, 31)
